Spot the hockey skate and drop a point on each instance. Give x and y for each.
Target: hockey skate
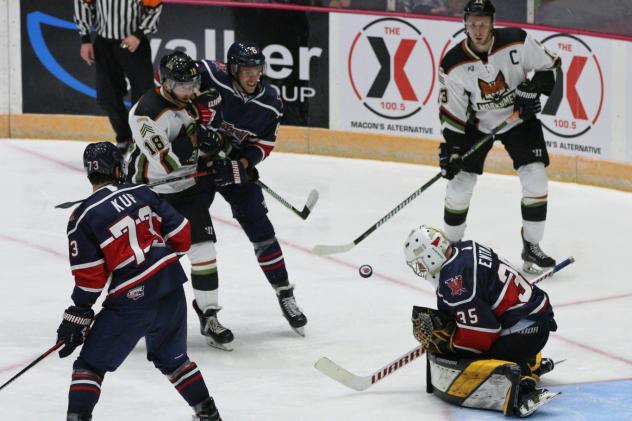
(79, 417)
(206, 411)
(530, 401)
(290, 310)
(216, 335)
(535, 260)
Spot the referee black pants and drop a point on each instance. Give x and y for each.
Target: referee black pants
(113, 64)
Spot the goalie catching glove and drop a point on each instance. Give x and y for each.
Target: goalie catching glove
(74, 328)
(527, 102)
(433, 330)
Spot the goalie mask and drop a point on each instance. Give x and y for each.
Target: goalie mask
(425, 250)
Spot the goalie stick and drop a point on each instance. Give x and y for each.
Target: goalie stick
(324, 249)
(347, 378)
(353, 381)
(307, 208)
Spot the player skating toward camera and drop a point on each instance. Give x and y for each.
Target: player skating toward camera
(170, 135)
(126, 238)
(482, 81)
(489, 327)
(251, 113)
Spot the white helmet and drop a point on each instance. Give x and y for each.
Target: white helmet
(425, 250)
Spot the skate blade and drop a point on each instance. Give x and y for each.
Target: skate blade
(299, 330)
(542, 400)
(224, 347)
(533, 269)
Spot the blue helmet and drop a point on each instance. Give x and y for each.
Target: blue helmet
(246, 54)
(102, 158)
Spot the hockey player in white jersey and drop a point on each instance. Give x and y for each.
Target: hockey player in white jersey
(483, 80)
(172, 127)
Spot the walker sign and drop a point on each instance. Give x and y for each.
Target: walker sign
(385, 76)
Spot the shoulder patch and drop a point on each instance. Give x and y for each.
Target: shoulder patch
(455, 57)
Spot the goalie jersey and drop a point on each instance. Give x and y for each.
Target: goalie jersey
(480, 88)
(250, 122)
(126, 235)
(487, 297)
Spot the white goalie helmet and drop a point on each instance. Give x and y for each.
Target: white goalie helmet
(425, 250)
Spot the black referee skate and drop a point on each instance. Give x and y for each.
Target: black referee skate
(290, 310)
(216, 335)
(206, 411)
(535, 260)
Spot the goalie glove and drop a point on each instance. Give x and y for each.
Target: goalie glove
(433, 330)
(527, 101)
(450, 160)
(74, 328)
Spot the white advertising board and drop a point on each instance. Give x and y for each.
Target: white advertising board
(383, 79)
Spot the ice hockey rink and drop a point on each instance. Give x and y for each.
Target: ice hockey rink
(362, 324)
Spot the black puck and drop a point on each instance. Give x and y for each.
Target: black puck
(365, 271)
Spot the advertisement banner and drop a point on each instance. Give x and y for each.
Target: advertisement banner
(385, 81)
(57, 81)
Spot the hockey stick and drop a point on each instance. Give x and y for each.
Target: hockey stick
(347, 378)
(334, 249)
(38, 359)
(561, 265)
(309, 204)
(67, 205)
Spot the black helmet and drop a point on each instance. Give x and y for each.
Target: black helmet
(102, 158)
(179, 67)
(479, 8)
(247, 54)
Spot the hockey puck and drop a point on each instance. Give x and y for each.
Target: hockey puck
(365, 271)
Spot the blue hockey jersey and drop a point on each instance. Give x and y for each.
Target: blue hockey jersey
(250, 121)
(126, 235)
(487, 297)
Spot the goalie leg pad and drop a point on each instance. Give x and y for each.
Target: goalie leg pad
(482, 384)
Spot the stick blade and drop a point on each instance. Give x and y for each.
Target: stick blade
(324, 249)
(65, 205)
(342, 376)
(309, 204)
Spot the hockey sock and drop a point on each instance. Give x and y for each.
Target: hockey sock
(270, 257)
(85, 389)
(189, 382)
(204, 277)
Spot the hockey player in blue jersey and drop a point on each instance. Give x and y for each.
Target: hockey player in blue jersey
(486, 311)
(124, 237)
(251, 113)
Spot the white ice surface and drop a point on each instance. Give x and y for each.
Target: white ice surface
(359, 323)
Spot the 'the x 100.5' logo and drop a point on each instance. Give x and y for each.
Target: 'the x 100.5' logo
(391, 68)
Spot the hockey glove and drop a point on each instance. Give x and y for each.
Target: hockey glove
(450, 160)
(74, 328)
(527, 101)
(433, 330)
(204, 106)
(226, 172)
(208, 140)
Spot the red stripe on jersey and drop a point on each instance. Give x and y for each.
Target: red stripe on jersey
(474, 339)
(181, 242)
(144, 278)
(266, 149)
(509, 298)
(93, 277)
(120, 249)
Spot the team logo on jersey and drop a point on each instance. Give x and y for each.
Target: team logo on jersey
(495, 92)
(576, 102)
(456, 285)
(388, 66)
(136, 293)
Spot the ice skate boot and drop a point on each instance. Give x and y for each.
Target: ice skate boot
(535, 260)
(206, 411)
(216, 335)
(530, 399)
(290, 310)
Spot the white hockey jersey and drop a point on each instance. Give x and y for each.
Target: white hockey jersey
(162, 148)
(482, 91)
